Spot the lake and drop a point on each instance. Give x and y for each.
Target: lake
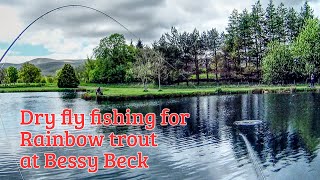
(285, 146)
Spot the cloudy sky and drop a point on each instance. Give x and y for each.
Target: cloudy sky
(72, 33)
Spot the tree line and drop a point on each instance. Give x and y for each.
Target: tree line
(257, 45)
(275, 44)
(29, 73)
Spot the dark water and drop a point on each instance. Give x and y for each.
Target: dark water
(285, 146)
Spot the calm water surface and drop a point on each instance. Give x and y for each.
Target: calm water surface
(285, 146)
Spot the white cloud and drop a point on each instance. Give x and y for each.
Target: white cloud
(11, 24)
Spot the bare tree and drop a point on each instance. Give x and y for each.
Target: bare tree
(160, 69)
(143, 66)
(150, 65)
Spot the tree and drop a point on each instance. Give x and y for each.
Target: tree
(12, 74)
(143, 66)
(305, 14)
(113, 56)
(139, 44)
(232, 40)
(89, 68)
(197, 49)
(245, 36)
(280, 19)
(159, 66)
(277, 65)
(29, 73)
(271, 23)
(170, 45)
(292, 25)
(257, 20)
(306, 47)
(67, 78)
(3, 75)
(213, 45)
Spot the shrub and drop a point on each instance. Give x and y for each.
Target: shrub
(43, 80)
(50, 79)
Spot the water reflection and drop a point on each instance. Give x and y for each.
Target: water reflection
(209, 147)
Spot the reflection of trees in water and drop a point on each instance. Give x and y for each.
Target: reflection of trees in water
(68, 95)
(291, 123)
(68, 99)
(305, 120)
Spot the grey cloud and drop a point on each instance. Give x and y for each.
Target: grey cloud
(145, 18)
(290, 3)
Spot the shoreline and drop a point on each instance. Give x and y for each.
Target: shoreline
(198, 92)
(137, 93)
(41, 89)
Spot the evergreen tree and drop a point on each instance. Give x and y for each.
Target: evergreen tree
(292, 25)
(257, 18)
(139, 44)
(280, 30)
(232, 40)
(214, 43)
(245, 36)
(305, 14)
(270, 23)
(67, 77)
(196, 51)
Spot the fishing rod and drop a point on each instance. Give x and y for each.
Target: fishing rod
(61, 7)
(73, 5)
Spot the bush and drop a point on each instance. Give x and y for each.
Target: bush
(67, 78)
(50, 79)
(43, 80)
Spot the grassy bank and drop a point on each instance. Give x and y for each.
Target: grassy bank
(36, 87)
(130, 93)
(117, 92)
(41, 89)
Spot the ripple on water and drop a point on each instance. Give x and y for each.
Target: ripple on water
(209, 147)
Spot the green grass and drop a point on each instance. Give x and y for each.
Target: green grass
(35, 87)
(39, 89)
(138, 93)
(135, 91)
(132, 93)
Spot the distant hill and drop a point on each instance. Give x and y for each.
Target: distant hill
(48, 66)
